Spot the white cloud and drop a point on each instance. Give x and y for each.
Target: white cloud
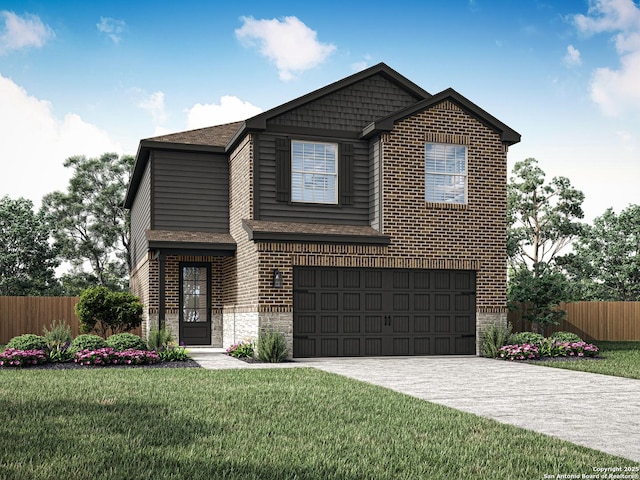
(36, 143)
(615, 90)
(572, 57)
(230, 109)
(111, 27)
(23, 32)
(154, 104)
(288, 43)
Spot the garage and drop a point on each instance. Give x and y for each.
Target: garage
(379, 311)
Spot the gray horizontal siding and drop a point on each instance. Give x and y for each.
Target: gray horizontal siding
(271, 210)
(351, 108)
(141, 217)
(190, 192)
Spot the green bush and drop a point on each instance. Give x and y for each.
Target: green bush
(125, 341)
(87, 342)
(565, 337)
(160, 339)
(272, 347)
(494, 337)
(174, 354)
(107, 312)
(28, 341)
(528, 337)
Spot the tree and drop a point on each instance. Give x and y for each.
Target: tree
(108, 312)
(542, 218)
(605, 264)
(92, 223)
(27, 259)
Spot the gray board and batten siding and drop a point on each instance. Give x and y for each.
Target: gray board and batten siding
(141, 217)
(190, 192)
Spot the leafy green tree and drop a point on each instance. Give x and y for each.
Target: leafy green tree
(605, 264)
(27, 259)
(108, 312)
(92, 225)
(542, 218)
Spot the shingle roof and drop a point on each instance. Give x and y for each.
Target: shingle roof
(217, 136)
(285, 231)
(167, 238)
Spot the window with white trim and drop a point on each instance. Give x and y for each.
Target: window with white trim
(314, 172)
(445, 172)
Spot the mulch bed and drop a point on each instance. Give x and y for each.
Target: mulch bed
(75, 366)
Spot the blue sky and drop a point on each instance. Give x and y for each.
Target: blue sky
(83, 78)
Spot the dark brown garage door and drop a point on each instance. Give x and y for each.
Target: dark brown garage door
(374, 312)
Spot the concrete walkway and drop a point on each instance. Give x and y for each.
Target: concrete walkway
(596, 411)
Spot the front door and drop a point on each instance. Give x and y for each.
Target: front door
(195, 303)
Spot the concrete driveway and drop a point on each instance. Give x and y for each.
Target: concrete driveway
(596, 411)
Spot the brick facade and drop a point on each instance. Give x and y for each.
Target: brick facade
(423, 235)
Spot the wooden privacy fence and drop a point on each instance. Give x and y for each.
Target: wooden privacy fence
(20, 315)
(592, 320)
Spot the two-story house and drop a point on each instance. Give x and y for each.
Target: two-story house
(365, 218)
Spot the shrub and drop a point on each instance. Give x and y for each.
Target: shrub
(88, 342)
(174, 354)
(494, 337)
(242, 349)
(126, 341)
(28, 341)
(527, 337)
(565, 337)
(13, 357)
(160, 339)
(107, 312)
(272, 347)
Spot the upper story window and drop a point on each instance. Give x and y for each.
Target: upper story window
(314, 172)
(445, 169)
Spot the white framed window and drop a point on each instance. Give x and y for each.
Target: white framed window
(445, 173)
(314, 172)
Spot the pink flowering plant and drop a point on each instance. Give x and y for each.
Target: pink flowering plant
(548, 349)
(243, 349)
(13, 357)
(526, 351)
(109, 356)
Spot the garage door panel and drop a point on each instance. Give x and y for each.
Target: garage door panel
(400, 301)
(371, 312)
(401, 346)
(329, 324)
(329, 301)
(373, 347)
(373, 324)
(421, 324)
(351, 324)
(400, 323)
(373, 302)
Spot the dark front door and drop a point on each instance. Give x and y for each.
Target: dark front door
(195, 303)
(374, 312)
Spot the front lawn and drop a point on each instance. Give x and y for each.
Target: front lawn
(621, 359)
(255, 424)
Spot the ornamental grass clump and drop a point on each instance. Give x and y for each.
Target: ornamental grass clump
(13, 357)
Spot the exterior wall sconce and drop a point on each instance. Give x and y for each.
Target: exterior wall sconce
(277, 278)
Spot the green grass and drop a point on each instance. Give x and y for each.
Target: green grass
(255, 424)
(620, 359)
